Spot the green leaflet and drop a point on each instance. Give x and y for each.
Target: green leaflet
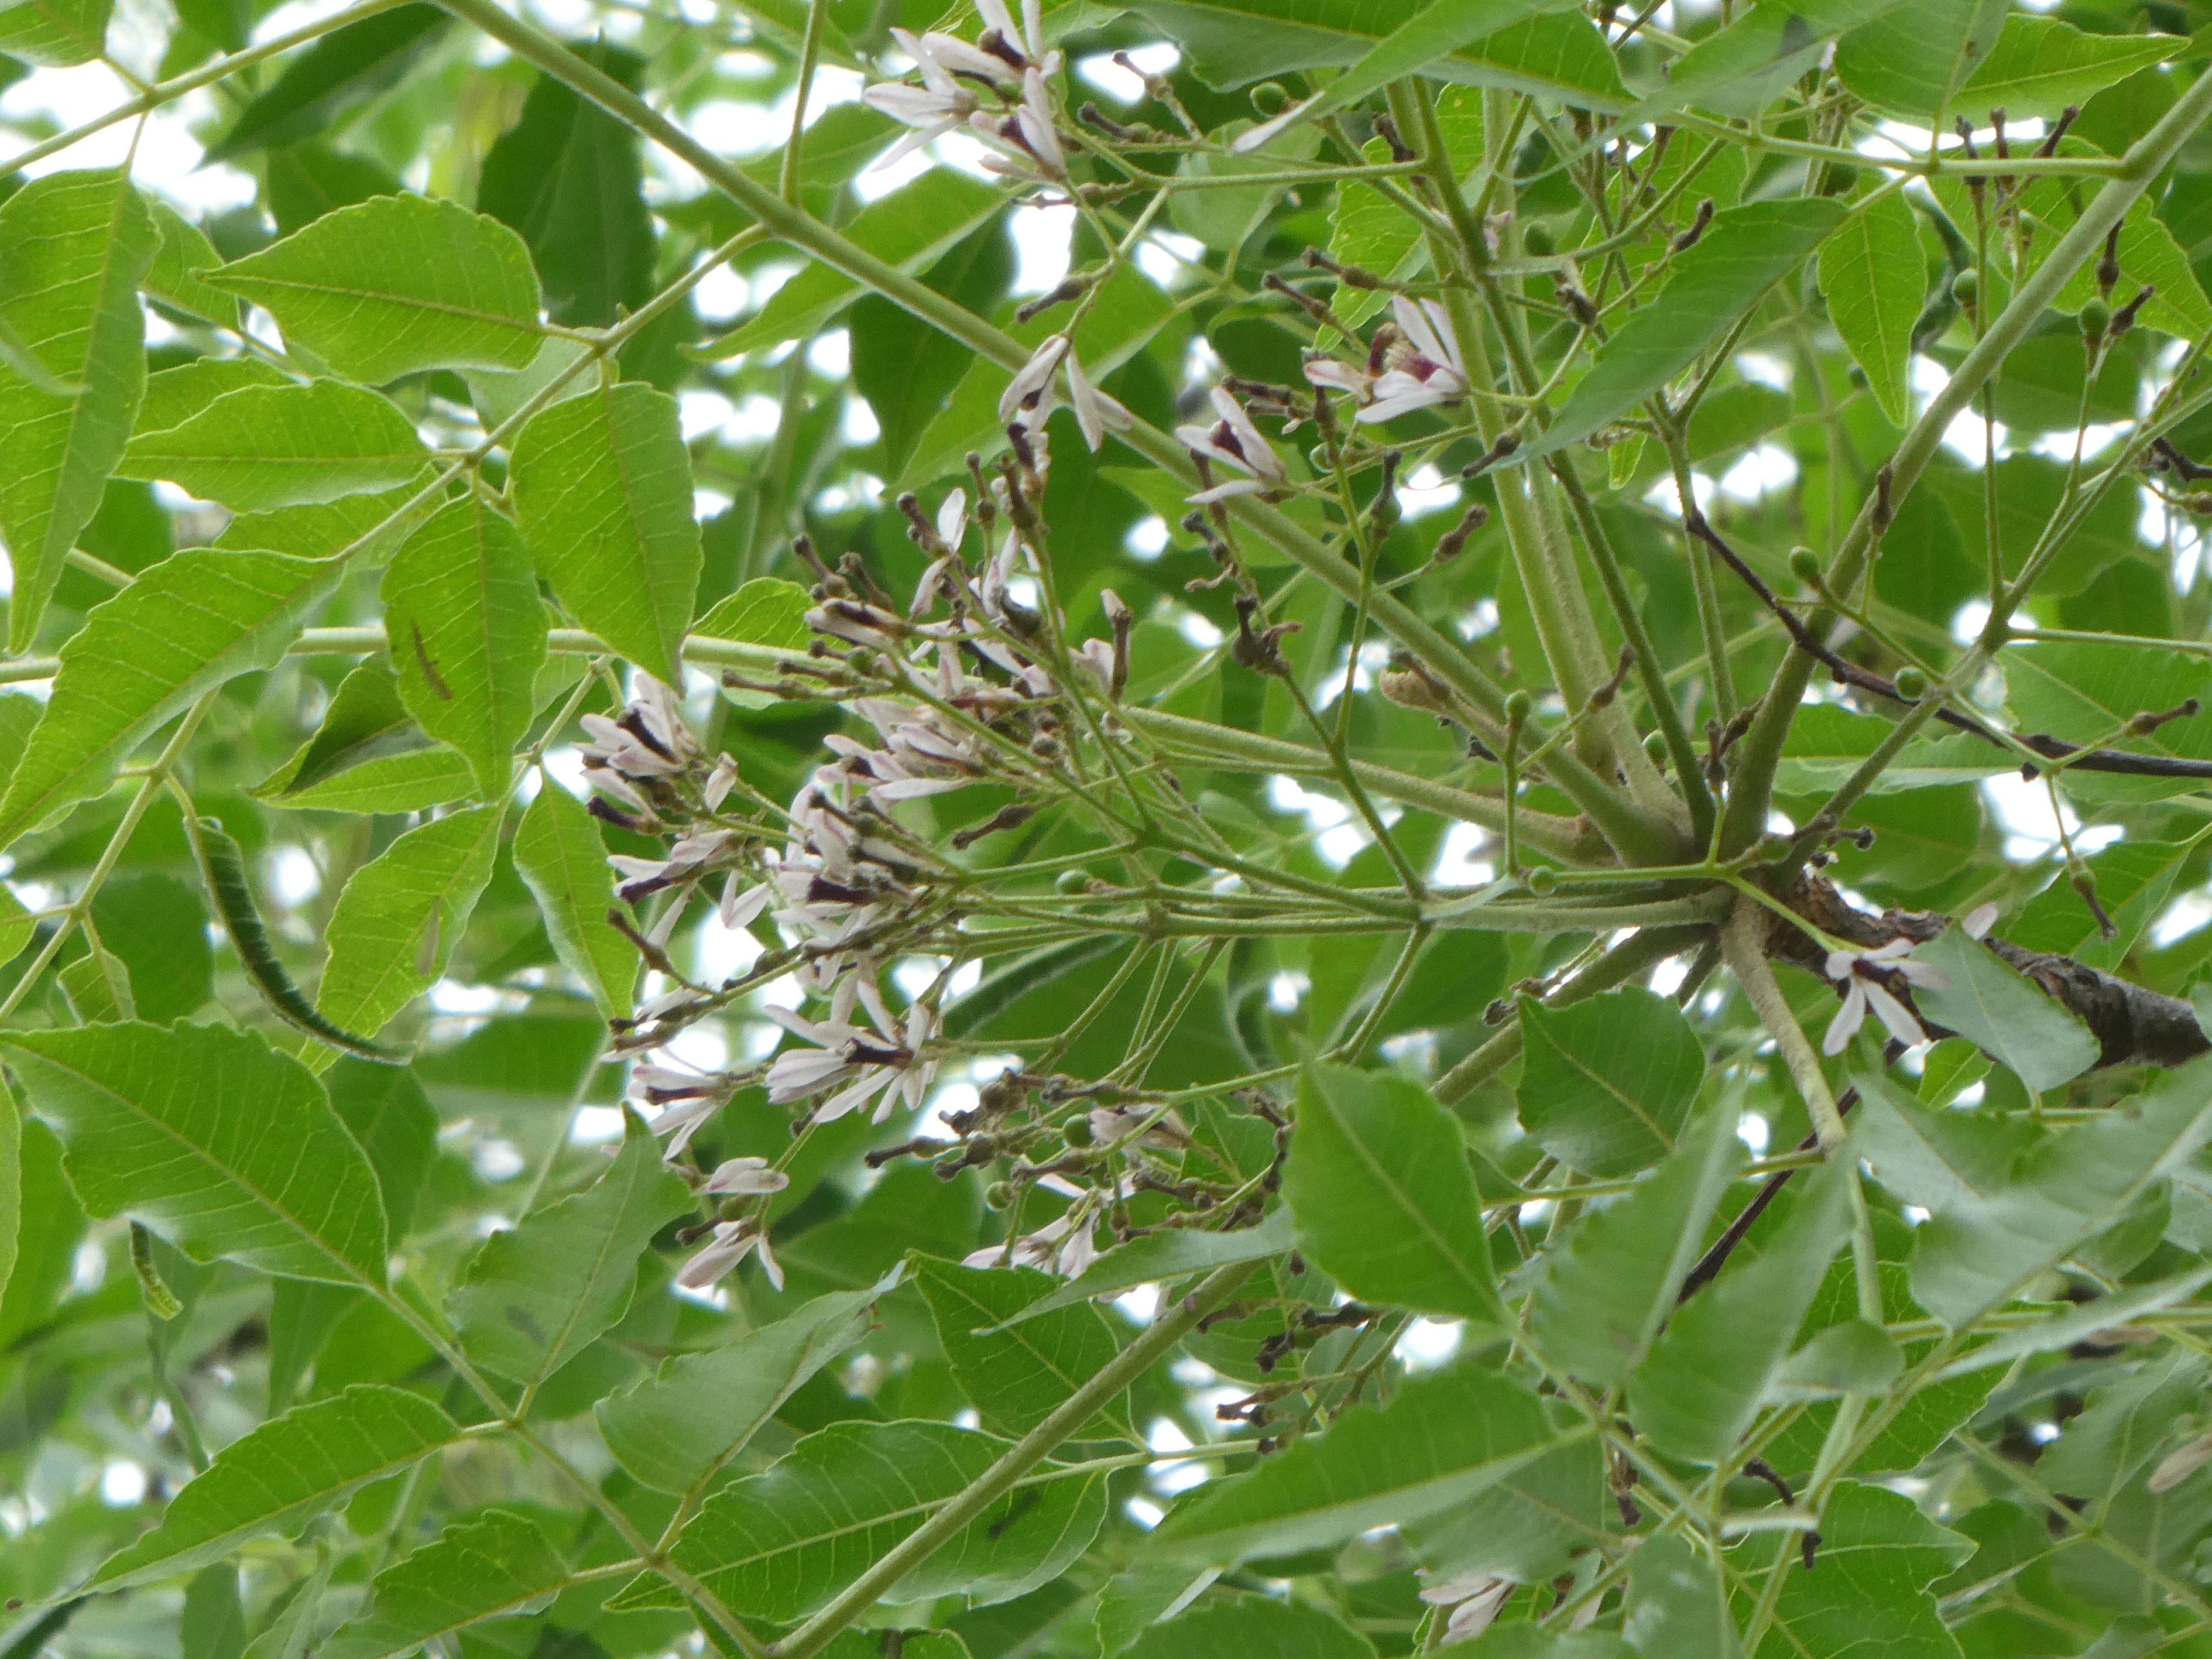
(399, 917)
(1910, 61)
(284, 445)
(535, 1294)
(1874, 277)
(1866, 1595)
(174, 395)
(11, 1181)
(183, 627)
(174, 278)
(1750, 61)
(1441, 27)
(2133, 879)
(602, 487)
(213, 1138)
(2041, 64)
(2011, 1201)
(1988, 1003)
(340, 71)
(1441, 1439)
(1612, 1283)
(283, 1473)
(1017, 1375)
(1385, 1198)
(559, 852)
(2085, 693)
(775, 1546)
(1676, 1604)
(58, 31)
(1608, 1082)
(1233, 43)
(1742, 254)
(398, 283)
(500, 1564)
(677, 1429)
(1697, 1391)
(73, 246)
(468, 635)
(1252, 1625)
(309, 179)
(365, 722)
(214, 1622)
(567, 175)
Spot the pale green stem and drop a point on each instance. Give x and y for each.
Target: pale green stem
(1743, 947)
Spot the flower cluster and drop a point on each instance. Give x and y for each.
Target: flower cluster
(962, 688)
(1011, 63)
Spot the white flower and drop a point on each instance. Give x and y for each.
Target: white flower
(1431, 371)
(1035, 115)
(1095, 413)
(732, 1242)
(719, 782)
(1030, 37)
(1062, 1247)
(741, 903)
(680, 1121)
(953, 56)
(953, 520)
(1860, 972)
(940, 105)
(883, 1065)
(1235, 439)
(1031, 386)
(1110, 1124)
(744, 1177)
(1474, 1598)
(1350, 378)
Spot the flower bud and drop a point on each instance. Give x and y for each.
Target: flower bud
(1655, 744)
(1518, 707)
(1536, 240)
(1542, 881)
(1805, 565)
(1269, 98)
(1966, 286)
(1911, 685)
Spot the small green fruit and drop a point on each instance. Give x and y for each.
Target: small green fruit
(1655, 744)
(1966, 286)
(1911, 685)
(2096, 317)
(1069, 884)
(1541, 881)
(1805, 565)
(1536, 240)
(1269, 98)
(1518, 707)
